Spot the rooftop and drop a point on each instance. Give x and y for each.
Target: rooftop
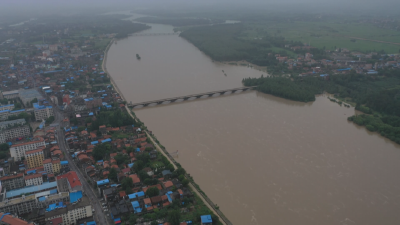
(32, 176)
(72, 178)
(10, 219)
(31, 189)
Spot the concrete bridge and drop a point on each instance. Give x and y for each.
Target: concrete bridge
(154, 34)
(191, 97)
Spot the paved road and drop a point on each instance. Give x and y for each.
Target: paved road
(98, 215)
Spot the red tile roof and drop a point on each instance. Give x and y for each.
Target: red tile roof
(122, 194)
(34, 151)
(168, 184)
(11, 177)
(9, 219)
(57, 221)
(32, 176)
(135, 178)
(72, 178)
(46, 161)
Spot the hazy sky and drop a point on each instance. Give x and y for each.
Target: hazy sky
(31, 7)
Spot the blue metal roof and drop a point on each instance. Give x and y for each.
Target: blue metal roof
(106, 140)
(206, 219)
(103, 182)
(64, 162)
(31, 189)
(75, 196)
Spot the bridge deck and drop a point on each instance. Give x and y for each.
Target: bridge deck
(190, 96)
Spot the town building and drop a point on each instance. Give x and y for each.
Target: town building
(69, 182)
(11, 123)
(33, 179)
(13, 182)
(7, 113)
(56, 166)
(26, 204)
(42, 112)
(27, 95)
(34, 158)
(18, 150)
(11, 94)
(7, 107)
(14, 132)
(48, 166)
(8, 219)
(72, 212)
(93, 102)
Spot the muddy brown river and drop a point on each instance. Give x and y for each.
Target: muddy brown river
(262, 159)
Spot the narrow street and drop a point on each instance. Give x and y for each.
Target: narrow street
(98, 214)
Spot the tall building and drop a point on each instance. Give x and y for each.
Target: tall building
(34, 158)
(13, 181)
(34, 179)
(56, 164)
(48, 166)
(18, 150)
(42, 112)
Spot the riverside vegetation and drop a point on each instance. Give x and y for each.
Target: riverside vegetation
(376, 96)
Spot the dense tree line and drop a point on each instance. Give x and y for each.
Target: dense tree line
(115, 118)
(223, 42)
(390, 128)
(176, 22)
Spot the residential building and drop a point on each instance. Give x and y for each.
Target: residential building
(8, 219)
(48, 166)
(13, 181)
(42, 112)
(34, 158)
(18, 150)
(69, 182)
(7, 107)
(93, 102)
(72, 212)
(34, 179)
(56, 165)
(48, 186)
(11, 123)
(14, 132)
(11, 94)
(7, 113)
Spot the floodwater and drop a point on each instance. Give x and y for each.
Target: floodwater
(262, 159)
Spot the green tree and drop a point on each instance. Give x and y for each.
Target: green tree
(153, 191)
(174, 217)
(4, 147)
(138, 166)
(81, 128)
(113, 175)
(185, 182)
(127, 183)
(101, 150)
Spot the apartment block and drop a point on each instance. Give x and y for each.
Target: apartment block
(48, 166)
(15, 132)
(18, 150)
(42, 112)
(72, 212)
(34, 158)
(11, 94)
(69, 182)
(56, 165)
(7, 113)
(11, 123)
(34, 179)
(26, 204)
(7, 107)
(13, 181)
